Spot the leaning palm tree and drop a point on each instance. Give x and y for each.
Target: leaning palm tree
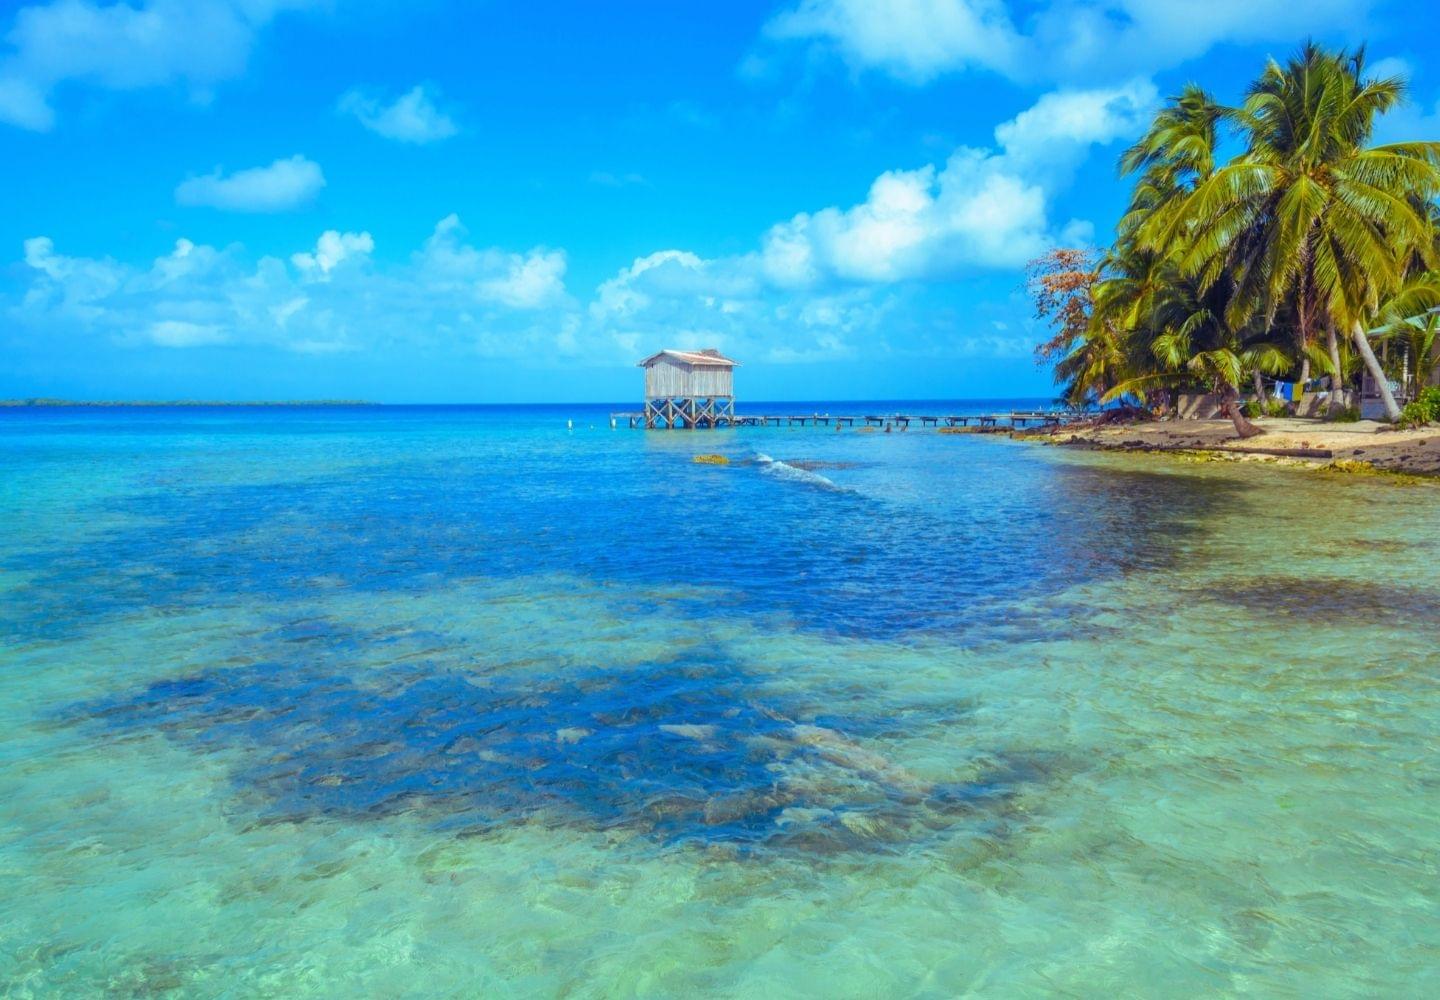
(1310, 214)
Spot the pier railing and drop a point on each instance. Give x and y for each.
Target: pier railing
(981, 421)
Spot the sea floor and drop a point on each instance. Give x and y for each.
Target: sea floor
(465, 704)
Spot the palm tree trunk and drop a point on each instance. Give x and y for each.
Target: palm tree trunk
(1362, 342)
(1259, 384)
(1231, 408)
(1333, 345)
(1304, 372)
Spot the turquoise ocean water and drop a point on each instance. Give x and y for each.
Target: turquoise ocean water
(460, 702)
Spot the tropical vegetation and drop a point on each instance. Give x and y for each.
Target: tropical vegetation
(1292, 258)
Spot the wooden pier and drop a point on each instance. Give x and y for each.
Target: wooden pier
(695, 389)
(888, 421)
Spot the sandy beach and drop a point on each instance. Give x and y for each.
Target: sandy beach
(1307, 442)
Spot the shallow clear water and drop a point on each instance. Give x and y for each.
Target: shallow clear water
(419, 702)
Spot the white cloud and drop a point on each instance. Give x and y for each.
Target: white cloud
(331, 250)
(451, 296)
(330, 298)
(1073, 40)
(676, 297)
(1059, 129)
(121, 46)
(914, 40)
(283, 185)
(983, 208)
(833, 282)
(521, 281)
(1077, 233)
(412, 117)
(69, 285)
(915, 224)
(668, 274)
(179, 333)
(1391, 66)
(529, 281)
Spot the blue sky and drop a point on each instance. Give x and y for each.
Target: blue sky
(427, 201)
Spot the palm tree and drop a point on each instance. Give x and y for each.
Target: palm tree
(1174, 154)
(1094, 364)
(1310, 215)
(1174, 331)
(1411, 319)
(1191, 339)
(1342, 366)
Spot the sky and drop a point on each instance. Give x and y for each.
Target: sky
(504, 201)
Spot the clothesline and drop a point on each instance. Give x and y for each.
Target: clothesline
(1290, 392)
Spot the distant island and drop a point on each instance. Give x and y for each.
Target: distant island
(40, 401)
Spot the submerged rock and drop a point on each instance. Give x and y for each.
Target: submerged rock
(689, 730)
(676, 754)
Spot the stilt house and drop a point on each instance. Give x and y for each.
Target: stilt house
(689, 389)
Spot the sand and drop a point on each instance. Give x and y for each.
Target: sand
(1376, 444)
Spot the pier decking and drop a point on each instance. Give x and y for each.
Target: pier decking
(888, 421)
(695, 389)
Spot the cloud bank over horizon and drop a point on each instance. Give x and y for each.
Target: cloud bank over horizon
(331, 297)
(819, 284)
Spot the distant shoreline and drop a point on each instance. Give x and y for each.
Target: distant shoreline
(40, 402)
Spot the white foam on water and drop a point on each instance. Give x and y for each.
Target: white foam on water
(784, 470)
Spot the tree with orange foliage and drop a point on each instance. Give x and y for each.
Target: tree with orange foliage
(1061, 283)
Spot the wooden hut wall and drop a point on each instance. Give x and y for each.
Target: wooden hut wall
(711, 380)
(666, 378)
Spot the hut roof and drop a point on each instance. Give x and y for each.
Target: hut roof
(707, 356)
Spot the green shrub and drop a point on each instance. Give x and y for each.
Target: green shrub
(1430, 398)
(1265, 408)
(1424, 409)
(1414, 415)
(1345, 415)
